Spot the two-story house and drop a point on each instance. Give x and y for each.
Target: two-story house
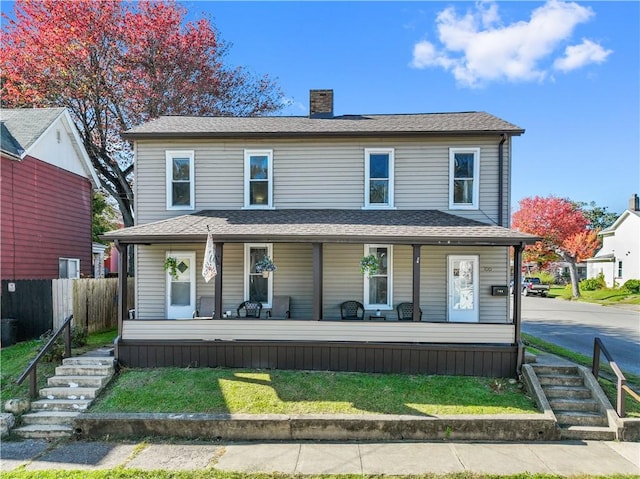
(47, 186)
(619, 258)
(426, 194)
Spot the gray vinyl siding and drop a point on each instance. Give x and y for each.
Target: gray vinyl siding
(342, 279)
(318, 174)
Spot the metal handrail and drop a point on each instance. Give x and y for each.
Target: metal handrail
(32, 368)
(598, 347)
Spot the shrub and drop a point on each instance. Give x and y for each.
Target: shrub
(545, 277)
(56, 352)
(632, 286)
(593, 284)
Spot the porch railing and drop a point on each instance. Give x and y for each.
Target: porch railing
(621, 383)
(32, 368)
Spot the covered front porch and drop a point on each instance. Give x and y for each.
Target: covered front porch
(317, 338)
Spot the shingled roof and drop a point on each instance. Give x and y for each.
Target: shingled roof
(28, 124)
(465, 123)
(428, 227)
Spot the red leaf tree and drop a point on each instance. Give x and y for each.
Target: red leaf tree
(117, 64)
(564, 230)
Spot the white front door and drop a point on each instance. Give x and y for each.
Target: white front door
(463, 288)
(181, 288)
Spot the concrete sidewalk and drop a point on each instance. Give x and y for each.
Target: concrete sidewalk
(560, 458)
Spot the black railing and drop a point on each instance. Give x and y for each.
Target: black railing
(621, 383)
(32, 369)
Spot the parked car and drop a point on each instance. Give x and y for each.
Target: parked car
(532, 285)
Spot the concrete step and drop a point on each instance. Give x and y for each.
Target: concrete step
(88, 361)
(68, 393)
(60, 404)
(43, 431)
(590, 433)
(50, 417)
(566, 392)
(78, 381)
(85, 370)
(557, 380)
(555, 370)
(562, 404)
(580, 418)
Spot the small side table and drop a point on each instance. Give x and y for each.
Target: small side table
(374, 317)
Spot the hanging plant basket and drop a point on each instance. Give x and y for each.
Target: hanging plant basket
(265, 266)
(369, 265)
(171, 266)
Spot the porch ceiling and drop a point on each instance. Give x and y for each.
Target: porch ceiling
(426, 227)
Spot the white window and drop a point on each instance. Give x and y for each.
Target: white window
(464, 178)
(68, 268)
(257, 286)
(258, 178)
(378, 286)
(378, 173)
(180, 186)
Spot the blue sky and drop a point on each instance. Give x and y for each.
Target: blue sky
(566, 72)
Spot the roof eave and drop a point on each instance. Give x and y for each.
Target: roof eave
(305, 134)
(350, 239)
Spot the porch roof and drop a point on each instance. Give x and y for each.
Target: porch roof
(427, 227)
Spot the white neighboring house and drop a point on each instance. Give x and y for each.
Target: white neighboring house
(619, 258)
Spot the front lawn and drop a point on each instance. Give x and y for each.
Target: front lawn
(605, 296)
(218, 390)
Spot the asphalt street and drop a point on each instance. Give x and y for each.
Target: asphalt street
(573, 325)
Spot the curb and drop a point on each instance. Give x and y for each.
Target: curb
(276, 427)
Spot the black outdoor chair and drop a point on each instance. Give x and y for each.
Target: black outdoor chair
(250, 309)
(405, 312)
(280, 308)
(351, 310)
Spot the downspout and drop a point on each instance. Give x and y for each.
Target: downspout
(501, 178)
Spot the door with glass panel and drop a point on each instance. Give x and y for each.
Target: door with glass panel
(181, 286)
(463, 288)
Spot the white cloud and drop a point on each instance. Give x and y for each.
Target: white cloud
(578, 56)
(477, 48)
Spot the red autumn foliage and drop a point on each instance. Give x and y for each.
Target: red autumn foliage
(563, 228)
(117, 64)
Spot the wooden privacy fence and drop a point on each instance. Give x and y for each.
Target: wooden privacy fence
(95, 303)
(29, 302)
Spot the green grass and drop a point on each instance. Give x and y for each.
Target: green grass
(14, 359)
(632, 407)
(220, 390)
(605, 297)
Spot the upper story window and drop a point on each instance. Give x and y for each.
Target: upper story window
(378, 172)
(180, 180)
(464, 178)
(378, 287)
(258, 178)
(68, 268)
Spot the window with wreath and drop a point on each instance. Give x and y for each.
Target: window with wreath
(378, 284)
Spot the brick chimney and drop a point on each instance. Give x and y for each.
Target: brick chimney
(320, 103)
(634, 204)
